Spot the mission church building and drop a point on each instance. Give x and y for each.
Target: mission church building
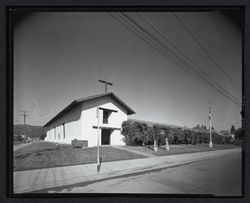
(79, 121)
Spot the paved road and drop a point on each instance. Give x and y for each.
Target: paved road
(218, 176)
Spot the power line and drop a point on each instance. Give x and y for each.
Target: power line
(197, 74)
(205, 50)
(194, 73)
(139, 34)
(153, 45)
(146, 39)
(173, 45)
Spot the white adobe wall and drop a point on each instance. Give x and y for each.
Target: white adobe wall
(117, 138)
(72, 126)
(115, 121)
(79, 123)
(88, 120)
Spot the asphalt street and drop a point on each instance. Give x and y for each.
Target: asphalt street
(220, 176)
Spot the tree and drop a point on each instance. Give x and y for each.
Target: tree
(187, 136)
(163, 137)
(217, 139)
(126, 132)
(156, 136)
(179, 136)
(19, 138)
(126, 126)
(136, 133)
(42, 137)
(197, 127)
(194, 137)
(233, 130)
(171, 135)
(144, 133)
(239, 134)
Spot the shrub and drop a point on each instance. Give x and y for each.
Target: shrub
(42, 137)
(161, 134)
(187, 136)
(136, 133)
(239, 134)
(18, 138)
(238, 142)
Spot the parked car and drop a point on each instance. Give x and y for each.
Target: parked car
(27, 140)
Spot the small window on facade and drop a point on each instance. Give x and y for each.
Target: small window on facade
(58, 136)
(63, 131)
(105, 116)
(55, 133)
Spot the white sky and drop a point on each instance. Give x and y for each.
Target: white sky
(59, 57)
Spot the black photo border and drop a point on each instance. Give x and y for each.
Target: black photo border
(6, 99)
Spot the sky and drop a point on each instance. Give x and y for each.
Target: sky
(60, 56)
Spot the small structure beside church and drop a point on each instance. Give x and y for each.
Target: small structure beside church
(79, 121)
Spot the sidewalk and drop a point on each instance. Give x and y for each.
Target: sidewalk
(33, 180)
(16, 147)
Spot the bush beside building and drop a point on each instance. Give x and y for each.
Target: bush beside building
(142, 133)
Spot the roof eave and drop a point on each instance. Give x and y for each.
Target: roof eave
(129, 110)
(75, 102)
(71, 105)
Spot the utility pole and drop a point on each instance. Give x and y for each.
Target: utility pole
(98, 129)
(24, 120)
(106, 84)
(210, 126)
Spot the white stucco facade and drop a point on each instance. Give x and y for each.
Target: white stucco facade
(81, 123)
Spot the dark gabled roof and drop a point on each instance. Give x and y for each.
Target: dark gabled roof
(79, 101)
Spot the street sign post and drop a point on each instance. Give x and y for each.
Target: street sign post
(98, 132)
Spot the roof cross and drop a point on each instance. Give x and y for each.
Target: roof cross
(106, 84)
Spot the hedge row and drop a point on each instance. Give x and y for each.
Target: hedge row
(138, 133)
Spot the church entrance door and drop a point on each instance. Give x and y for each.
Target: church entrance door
(106, 136)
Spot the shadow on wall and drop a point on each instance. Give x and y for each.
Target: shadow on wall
(73, 115)
(100, 101)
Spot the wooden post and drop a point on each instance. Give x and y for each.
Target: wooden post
(210, 126)
(98, 129)
(155, 146)
(24, 121)
(167, 144)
